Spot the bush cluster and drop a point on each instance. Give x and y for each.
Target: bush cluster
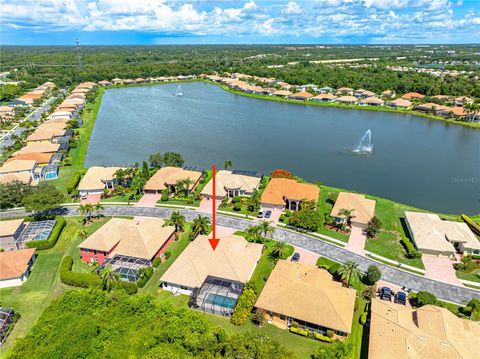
(129, 287)
(52, 239)
(299, 331)
(323, 338)
(145, 275)
(412, 252)
(73, 183)
(244, 306)
(75, 279)
(157, 261)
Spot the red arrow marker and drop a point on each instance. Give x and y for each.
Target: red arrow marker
(214, 240)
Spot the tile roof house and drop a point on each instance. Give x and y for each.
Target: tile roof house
(308, 295)
(23, 177)
(434, 236)
(9, 232)
(413, 95)
(167, 177)
(144, 239)
(288, 193)
(15, 267)
(363, 209)
(97, 179)
(400, 103)
(397, 331)
(231, 184)
(39, 148)
(372, 101)
(324, 97)
(303, 95)
(282, 93)
(233, 259)
(346, 99)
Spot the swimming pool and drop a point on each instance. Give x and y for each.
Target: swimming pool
(221, 301)
(50, 175)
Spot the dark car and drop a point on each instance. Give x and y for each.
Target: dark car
(260, 214)
(268, 213)
(386, 294)
(295, 257)
(401, 298)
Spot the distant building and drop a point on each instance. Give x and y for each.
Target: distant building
(97, 179)
(413, 95)
(284, 193)
(231, 184)
(363, 209)
(167, 177)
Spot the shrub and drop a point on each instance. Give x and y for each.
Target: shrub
(73, 183)
(244, 306)
(236, 199)
(156, 262)
(330, 333)
(145, 275)
(372, 275)
(164, 197)
(425, 298)
(412, 252)
(52, 239)
(363, 318)
(323, 338)
(75, 279)
(299, 331)
(237, 207)
(373, 227)
(306, 218)
(167, 254)
(281, 173)
(129, 287)
(288, 213)
(259, 317)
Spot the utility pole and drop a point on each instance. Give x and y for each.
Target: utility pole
(78, 54)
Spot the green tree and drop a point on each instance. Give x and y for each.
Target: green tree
(97, 208)
(373, 275)
(145, 170)
(200, 225)
(254, 234)
(109, 278)
(178, 221)
(45, 198)
(349, 272)
(373, 227)
(173, 159)
(306, 218)
(474, 307)
(12, 194)
(337, 350)
(347, 213)
(227, 164)
(266, 228)
(253, 202)
(425, 298)
(156, 160)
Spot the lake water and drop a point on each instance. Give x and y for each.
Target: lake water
(425, 163)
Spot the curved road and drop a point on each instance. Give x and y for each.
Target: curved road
(444, 291)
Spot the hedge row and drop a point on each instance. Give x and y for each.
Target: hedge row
(75, 279)
(412, 252)
(52, 239)
(323, 338)
(244, 306)
(299, 331)
(472, 224)
(73, 183)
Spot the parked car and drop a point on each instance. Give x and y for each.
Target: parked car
(268, 213)
(260, 214)
(385, 294)
(295, 257)
(401, 298)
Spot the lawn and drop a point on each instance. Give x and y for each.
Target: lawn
(175, 249)
(77, 154)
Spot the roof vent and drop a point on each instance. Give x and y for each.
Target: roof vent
(422, 338)
(444, 344)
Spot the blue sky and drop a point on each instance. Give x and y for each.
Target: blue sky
(44, 22)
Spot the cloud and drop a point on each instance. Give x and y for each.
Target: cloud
(369, 19)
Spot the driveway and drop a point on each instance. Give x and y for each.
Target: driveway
(306, 256)
(148, 200)
(274, 217)
(440, 268)
(356, 241)
(206, 205)
(445, 291)
(91, 199)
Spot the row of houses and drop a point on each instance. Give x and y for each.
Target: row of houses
(345, 95)
(141, 80)
(41, 157)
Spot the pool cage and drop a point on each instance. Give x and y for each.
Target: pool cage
(216, 296)
(6, 318)
(128, 268)
(35, 231)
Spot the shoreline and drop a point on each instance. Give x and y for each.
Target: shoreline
(473, 125)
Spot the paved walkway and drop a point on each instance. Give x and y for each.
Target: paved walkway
(440, 268)
(356, 241)
(393, 275)
(148, 200)
(206, 205)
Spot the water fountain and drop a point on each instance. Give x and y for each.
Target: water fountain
(365, 146)
(179, 91)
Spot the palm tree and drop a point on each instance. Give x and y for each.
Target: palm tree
(266, 228)
(254, 201)
(86, 211)
(82, 233)
(254, 234)
(120, 176)
(109, 278)
(188, 182)
(349, 272)
(227, 164)
(180, 186)
(178, 221)
(347, 213)
(97, 207)
(201, 225)
(279, 249)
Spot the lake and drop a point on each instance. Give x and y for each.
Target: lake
(425, 163)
